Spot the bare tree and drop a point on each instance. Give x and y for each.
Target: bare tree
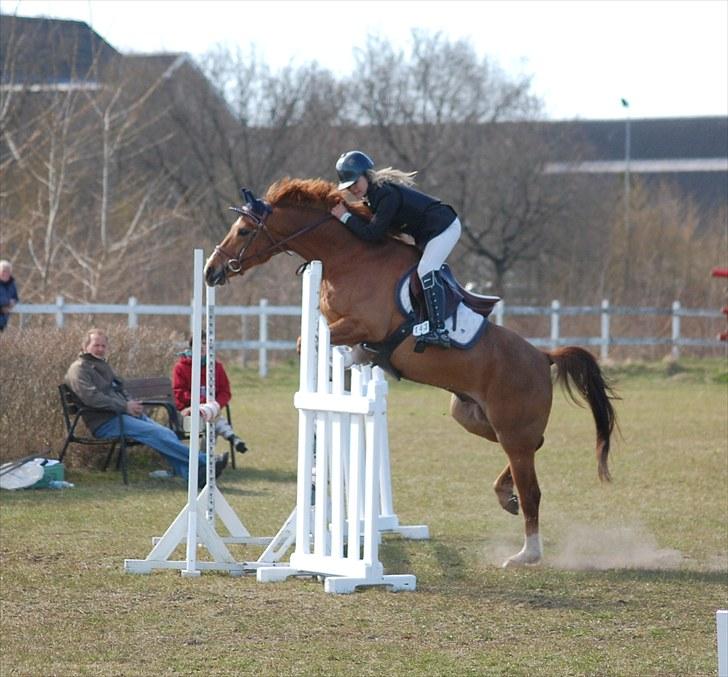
(80, 204)
(249, 127)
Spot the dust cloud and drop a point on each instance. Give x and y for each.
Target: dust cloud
(585, 547)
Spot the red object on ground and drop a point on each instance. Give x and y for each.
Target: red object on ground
(719, 272)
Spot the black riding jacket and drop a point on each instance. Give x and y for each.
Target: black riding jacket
(401, 209)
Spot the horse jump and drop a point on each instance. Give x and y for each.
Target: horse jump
(343, 447)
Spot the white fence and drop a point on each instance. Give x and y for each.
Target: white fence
(555, 312)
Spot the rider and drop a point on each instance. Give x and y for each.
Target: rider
(397, 207)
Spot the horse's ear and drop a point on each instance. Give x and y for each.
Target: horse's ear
(247, 195)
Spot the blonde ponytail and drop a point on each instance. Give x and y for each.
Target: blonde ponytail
(389, 175)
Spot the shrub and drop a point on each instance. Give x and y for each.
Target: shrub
(34, 361)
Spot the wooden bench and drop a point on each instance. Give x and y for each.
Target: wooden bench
(156, 394)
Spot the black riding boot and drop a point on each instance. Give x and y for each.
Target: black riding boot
(434, 292)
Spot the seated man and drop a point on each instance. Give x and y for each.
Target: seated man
(182, 385)
(94, 382)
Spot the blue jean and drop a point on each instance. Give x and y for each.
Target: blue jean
(143, 429)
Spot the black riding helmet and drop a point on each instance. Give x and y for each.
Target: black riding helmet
(351, 165)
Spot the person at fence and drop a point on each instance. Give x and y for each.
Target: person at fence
(8, 292)
(94, 382)
(398, 208)
(182, 386)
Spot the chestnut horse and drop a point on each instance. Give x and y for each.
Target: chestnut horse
(501, 387)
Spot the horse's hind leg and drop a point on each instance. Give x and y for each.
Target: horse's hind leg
(523, 472)
(470, 416)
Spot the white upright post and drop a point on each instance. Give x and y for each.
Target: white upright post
(721, 622)
(194, 449)
(210, 391)
(604, 345)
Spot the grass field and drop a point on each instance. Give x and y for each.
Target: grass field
(632, 576)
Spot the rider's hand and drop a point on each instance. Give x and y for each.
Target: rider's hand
(339, 209)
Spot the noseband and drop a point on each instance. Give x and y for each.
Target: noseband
(234, 264)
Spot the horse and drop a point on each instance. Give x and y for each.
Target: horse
(501, 387)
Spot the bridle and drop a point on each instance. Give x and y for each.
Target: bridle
(234, 264)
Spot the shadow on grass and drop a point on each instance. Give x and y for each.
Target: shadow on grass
(263, 474)
(661, 575)
(394, 555)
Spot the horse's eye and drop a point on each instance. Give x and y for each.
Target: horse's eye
(242, 232)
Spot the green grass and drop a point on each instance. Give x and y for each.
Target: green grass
(632, 576)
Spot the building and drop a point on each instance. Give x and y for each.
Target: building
(690, 154)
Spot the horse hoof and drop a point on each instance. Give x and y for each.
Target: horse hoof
(511, 505)
(520, 560)
(530, 553)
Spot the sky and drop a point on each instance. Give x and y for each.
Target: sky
(666, 58)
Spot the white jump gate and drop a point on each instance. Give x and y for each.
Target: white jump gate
(344, 493)
(344, 499)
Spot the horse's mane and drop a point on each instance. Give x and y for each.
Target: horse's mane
(314, 193)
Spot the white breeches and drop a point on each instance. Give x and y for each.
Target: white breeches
(438, 249)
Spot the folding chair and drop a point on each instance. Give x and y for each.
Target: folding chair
(73, 409)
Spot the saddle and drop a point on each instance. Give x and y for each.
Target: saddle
(455, 293)
(465, 316)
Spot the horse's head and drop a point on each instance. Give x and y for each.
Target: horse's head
(291, 208)
(233, 255)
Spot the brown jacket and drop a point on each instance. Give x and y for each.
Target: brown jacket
(96, 385)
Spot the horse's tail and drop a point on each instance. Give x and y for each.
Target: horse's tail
(578, 366)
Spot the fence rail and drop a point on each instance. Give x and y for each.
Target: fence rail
(133, 310)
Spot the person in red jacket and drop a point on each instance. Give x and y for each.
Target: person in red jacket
(182, 386)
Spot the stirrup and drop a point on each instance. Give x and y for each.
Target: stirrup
(439, 338)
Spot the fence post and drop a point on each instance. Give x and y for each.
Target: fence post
(59, 311)
(263, 338)
(133, 318)
(243, 337)
(499, 312)
(604, 348)
(675, 330)
(555, 305)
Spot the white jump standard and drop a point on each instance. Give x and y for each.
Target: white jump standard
(343, 446)
(195, 524)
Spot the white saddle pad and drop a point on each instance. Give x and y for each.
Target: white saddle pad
(465, 326)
